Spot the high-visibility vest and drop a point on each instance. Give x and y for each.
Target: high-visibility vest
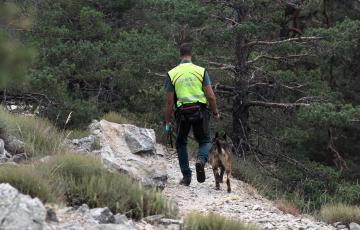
(187, 80)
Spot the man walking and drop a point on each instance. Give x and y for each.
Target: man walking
(188, 87)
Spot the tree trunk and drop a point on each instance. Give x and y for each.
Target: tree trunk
(241, 84)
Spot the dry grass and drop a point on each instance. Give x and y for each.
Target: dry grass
(287, 207)
(212, 221)
(332, 213)
(41, 138)
(78, 134)
(28, 181)
(75, 179)
(116, 118)
(250, 190)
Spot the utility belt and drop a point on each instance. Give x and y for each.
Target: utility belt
(193, 113)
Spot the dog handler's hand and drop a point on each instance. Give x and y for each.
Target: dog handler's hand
(217, 116)
(168, 127)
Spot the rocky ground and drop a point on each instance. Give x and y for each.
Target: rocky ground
(133, 150)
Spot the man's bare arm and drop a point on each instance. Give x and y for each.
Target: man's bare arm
(169, 106)
(209, 93)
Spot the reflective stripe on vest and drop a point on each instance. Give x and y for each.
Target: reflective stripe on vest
(187, 80)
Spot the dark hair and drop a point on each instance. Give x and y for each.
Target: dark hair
(185, 49)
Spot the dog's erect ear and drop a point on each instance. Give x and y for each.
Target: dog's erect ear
(216, 135)
(224, 136)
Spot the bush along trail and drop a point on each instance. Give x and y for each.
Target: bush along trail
(118, 177)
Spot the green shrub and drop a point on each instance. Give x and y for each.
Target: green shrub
(82, 112)
(28, 181)
(348, 193)
(116, 118)
(39, 135)
(308, 194)
(332, 213)
(78, 134)
(86, 181)
(197, 221)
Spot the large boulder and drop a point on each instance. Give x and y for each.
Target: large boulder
(18, 211)
(127, 149)
(133, 150)
(12, 144)
(127, 138)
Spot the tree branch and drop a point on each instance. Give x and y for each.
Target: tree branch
(276, 105)
(232, 21)
(299, 39)
(222, 66)
(274, 58)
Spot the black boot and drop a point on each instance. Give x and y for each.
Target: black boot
(186, 180)
(200, 171)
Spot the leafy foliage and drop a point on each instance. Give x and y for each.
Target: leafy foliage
(14, 56)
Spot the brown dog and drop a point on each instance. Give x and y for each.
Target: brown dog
(220, 160)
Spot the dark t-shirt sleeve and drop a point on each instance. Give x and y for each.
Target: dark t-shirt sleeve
(206, 80)
(168, 85)
(170, 88)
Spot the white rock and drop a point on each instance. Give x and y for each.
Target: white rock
(18, 211)
(13, 145)
(2, 147)
(354, 226)
(102, 215)
(114, 227)
(120, 148)
(149, 227)
(85, 144)
(121, 219)
(84, 208)
(256, 208)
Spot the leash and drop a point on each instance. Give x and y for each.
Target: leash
(169, 139)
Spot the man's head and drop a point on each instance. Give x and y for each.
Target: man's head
(186, 51)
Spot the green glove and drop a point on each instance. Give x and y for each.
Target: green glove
(168, 127)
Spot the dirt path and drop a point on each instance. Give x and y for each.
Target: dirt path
(242, 204)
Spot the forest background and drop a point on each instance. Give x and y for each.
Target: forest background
(286, 74)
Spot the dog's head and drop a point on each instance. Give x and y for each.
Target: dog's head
(221, 143)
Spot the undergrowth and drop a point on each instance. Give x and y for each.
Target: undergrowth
(29, 181)
(73, 179)
(307, 195)
(116, 118)
(41, 138)
(212, 221)
(77, 179)
(332, 213)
